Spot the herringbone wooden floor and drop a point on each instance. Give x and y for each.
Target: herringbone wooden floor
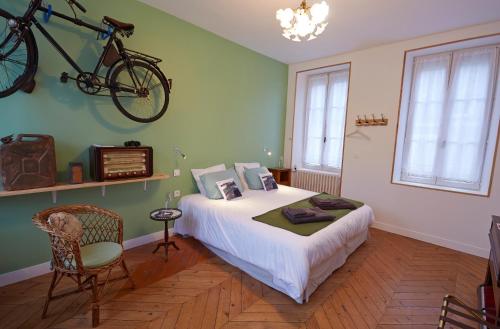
(389, 282)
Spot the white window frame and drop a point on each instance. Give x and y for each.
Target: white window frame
(483, 189)
(301, 117)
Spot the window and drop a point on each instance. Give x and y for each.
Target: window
(448, 122)
(319, 130)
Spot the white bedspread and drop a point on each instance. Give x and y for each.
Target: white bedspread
(288, 257)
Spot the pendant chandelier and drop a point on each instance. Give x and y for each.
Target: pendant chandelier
(305, 22)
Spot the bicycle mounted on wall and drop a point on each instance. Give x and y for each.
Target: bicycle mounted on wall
(133, 80)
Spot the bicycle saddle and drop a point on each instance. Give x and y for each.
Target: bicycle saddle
(119, 25)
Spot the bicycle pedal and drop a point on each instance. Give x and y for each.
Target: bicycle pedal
(64, 77)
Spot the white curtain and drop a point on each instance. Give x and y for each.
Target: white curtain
(335, 119)
(449, 114)
(315, 108)
(325, 120)
(427, 102)
(468, 115)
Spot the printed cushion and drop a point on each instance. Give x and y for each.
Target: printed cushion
(229, 189)
(268, 182)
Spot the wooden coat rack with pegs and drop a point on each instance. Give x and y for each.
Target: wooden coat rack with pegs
(373, 121)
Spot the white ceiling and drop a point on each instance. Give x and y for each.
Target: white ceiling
(354, 24)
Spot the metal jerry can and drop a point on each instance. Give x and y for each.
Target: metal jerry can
(27, 162)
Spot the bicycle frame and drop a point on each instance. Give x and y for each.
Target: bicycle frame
(120, 64)
(29, 18)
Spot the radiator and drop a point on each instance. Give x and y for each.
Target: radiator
(316, 181)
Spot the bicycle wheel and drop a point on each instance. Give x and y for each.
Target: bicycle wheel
(18, 59)
(141, 93)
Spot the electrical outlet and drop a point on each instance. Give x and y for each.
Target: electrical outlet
(177, 172)
(177, 193)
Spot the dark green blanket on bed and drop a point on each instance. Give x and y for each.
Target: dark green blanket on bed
(277, 219)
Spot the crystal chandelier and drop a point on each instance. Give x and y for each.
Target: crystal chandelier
(305, 22)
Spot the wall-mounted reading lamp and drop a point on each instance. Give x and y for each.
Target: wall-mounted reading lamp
(179, 152)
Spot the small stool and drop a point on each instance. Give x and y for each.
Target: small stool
(165, 215)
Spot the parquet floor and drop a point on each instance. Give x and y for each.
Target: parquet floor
(389, 282)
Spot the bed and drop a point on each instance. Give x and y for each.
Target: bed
(293, 264)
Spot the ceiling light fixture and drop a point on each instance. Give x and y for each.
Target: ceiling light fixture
(305, 22)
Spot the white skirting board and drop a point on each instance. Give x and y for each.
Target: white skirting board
(455, 245)
(44, 268)
(40, 269)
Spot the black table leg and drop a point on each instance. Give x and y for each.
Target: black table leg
(169, 243)
(166, 243)
(165, 239)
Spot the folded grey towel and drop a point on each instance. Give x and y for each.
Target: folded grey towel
(332, 204)
(314, 215)
(298, 212)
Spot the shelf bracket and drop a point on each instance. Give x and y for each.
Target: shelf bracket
(103, 191)
(145, 186)
(54, 197)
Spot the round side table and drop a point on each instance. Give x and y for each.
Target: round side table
(165, 215)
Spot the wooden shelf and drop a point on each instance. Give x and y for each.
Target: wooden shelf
(67, 187)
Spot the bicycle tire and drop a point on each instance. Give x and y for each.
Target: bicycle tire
(31, 61)
(113, 82)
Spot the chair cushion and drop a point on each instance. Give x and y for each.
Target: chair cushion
(100, 254)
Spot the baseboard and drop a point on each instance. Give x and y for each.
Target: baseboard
(455, 245)
(144, 239)
(24, 274)
(44, 268)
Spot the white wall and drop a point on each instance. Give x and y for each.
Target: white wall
(453, 220)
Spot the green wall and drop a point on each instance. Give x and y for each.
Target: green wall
(227, 105)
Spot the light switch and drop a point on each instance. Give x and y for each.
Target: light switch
(177, 172)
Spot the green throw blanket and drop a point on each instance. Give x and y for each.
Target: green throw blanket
(277, 219)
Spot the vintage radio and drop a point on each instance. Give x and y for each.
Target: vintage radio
(113, 162)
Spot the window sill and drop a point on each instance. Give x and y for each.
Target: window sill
(441, 188)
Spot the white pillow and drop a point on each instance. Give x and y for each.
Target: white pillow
(240, 169)
(199, 172)
(229, 189)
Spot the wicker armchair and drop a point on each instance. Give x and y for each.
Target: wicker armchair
(83, 258)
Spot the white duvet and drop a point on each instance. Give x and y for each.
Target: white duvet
(288, 257)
